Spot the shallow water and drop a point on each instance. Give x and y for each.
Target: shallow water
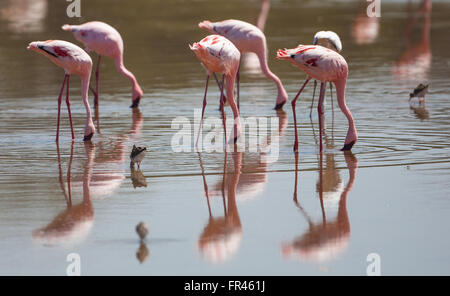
(323, 215)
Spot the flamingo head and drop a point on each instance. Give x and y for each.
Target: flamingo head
(136, 96)
(78, 33)
(208, 26)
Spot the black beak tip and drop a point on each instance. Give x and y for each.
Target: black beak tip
(348, 147)
(135, 103)
(280, 105)
(88, 137)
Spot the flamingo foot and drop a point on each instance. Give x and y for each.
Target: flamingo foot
(135, 103)
(279, 106)
(348, 146)
(88, 137)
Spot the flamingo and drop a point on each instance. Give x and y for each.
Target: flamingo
(106, 41)
(218, 54)
(247, 38)
(73, 60)
(325, 65)
(331, 40)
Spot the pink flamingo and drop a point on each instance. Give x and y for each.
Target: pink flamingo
(73, 60)
(248, 38)
(325, 65)
(106, 41)
(331, 40)
(218, 54)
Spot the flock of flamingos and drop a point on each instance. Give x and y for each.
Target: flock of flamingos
(218, 53)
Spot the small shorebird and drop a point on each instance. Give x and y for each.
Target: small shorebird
(142, 230)
(73, 60)
(137, 155)
(106, 41)
(419, 92)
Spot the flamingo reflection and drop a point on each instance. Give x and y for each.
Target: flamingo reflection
(102, 174)
(328, 238)
(73, 224)
(24, 16)
(222, 235)
(249, 60)
(415, 62)
(365, 29)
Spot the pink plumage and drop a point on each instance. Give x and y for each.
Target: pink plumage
(248, 38)
(105, 41)
(73, 60)
(325, 65)
(218, 55)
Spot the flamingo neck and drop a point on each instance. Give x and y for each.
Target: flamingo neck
(262, 56)
(125, 72)
(340, 90)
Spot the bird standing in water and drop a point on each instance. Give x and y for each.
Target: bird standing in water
(219, 55)
(247, 38)
(419, 92)
(106, 41)
(73, 60)
(137, 155)
(325, 65)
(331, 40)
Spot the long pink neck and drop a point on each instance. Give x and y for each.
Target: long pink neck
(125, 72)
(262, 56)
(84, 94)
(340, 90)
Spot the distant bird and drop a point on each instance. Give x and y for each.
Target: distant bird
(106, 41)
(142, 230)
(419, 92)
(73, 60)
(248, 38)
(331, 40)
(325, 65)
(137, 155)
(219, 55)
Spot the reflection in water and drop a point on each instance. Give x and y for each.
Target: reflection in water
(415, 62)
(142, 253)
(420, 111)
(249, 61)
(365, 29)
(222, 236)
(328, 238)
(24, 16)
(102, 175)
(73, 224)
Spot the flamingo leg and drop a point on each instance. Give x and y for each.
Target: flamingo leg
(203, 110)
(332, 111)
(238, 78)
(59, 107)
(68, 107)
(222, 103)
(320, 112)
(312, 102)
(293, 110)
(219, 85)
(97, 72)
